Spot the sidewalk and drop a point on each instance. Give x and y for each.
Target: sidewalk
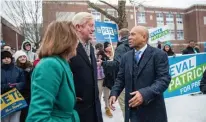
(179, 109)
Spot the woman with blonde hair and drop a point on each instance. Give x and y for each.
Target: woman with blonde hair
(52, 90)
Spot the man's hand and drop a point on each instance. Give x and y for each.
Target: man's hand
(79, 99)
(112, 100)
(136, 100)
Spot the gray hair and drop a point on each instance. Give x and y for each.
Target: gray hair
(81, 18)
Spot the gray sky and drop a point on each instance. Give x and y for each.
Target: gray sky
(165, 3)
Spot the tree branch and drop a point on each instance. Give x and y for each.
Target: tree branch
(25, 16)
(92, 5)
(109, 5)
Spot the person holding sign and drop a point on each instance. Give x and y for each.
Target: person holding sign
(11, 77)
(144, 73)
(52, 86)
(22, 62)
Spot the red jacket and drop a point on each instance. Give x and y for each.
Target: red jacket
(36, 62)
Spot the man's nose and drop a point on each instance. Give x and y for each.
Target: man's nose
(93, 29)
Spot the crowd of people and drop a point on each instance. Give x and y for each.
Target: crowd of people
(65, 80)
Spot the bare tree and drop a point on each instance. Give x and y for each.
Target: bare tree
(121, 20)
(26, 15)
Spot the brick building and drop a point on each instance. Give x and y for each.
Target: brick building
(10, 34)
(185, 24)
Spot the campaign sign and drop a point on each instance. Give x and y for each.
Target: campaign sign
(161, 34)
(106, 31)
(12, 101)
(186, 72)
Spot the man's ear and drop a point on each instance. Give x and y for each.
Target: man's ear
(78, 27)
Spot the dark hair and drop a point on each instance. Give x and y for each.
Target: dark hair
(28, 64)
(102, 53)
(169, 52)
(106, 44)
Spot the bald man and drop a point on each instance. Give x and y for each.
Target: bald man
(144, 73)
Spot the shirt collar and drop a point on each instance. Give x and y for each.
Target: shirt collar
(83, 43)
(142, 49)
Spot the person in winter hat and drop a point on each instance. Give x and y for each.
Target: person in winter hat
(22, 62)
(11, 77)
(27, 48)
(167, 48)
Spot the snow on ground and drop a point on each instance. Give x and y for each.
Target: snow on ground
(179, 109)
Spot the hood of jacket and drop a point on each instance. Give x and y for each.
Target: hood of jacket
(22, 46)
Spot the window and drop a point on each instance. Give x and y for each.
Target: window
(180, 34)
(141, 17)
(160, 19)
(179, 19)
(169, 15)
(159, 15)
(62, 16)
(172, 34)
(205, 20)
(97, 15)
(169, 18)
(111, 12)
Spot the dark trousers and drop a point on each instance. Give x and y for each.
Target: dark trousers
(24, 111)
(89, 115)
(133, 116)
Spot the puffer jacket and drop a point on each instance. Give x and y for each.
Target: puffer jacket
(31, 55)
(11, 74)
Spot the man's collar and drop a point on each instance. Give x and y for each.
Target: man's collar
(142, 49)
(84, 43)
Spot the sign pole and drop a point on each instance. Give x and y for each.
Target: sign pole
(110, 40)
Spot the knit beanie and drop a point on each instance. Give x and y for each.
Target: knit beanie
(6, 53)
(18, 54)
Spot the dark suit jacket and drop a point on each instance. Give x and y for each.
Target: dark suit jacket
(152, 80)
(85, 79)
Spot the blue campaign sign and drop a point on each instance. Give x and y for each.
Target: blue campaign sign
(186, 72)
(105, 31)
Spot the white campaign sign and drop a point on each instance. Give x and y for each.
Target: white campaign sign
(161, 34)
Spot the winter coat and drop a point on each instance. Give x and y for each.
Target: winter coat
(85, 80)
(203, 83)
(31, 56)
(53, 94)
(11, 74)
(190, 50)
(151, 79)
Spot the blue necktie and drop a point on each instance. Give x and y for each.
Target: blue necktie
(137, 53)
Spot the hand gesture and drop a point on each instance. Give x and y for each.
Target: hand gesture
(136, 100)
(112, 100)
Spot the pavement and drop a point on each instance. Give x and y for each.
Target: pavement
(185, 108)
